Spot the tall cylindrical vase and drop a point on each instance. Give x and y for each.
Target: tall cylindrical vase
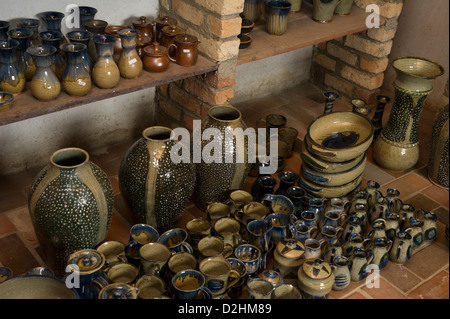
(438, 166)
(71, 205)
(155, 187)
(227, 168)
(377, 119)
(397, 147)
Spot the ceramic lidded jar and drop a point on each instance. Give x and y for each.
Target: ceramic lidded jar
(156, 188)
(315, 279)
(105, 73)
(141, 42)
(288, 256)
(44, 84)
(186, 53)
(130, 64)
(71, 206)
(145, 28)
(216, 179)
(160, 23)
(168, 35)
(156, 58)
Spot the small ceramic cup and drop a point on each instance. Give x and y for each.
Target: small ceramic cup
(228, 229)
(123, 273)
(219, 274)
(258, 288)
(154, 257)
(277, 13)
(114, 252)
(181, 261)
(286, 291)
(150, 287)
(197, 229)
(176, 240)
(251, 256)
(118, 291)
(140, 234)
(212, 246)
(5, 274)
(217, 211)
(313, 249)
(190, 284)
(260, 233)
(280, 226)
(239, 266)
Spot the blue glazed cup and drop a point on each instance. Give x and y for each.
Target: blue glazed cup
(277, 13)
(280, 226)
(251, 256)
(278, 203)
(140, 234)
(259, 233)
(190, 284)
(176, 240)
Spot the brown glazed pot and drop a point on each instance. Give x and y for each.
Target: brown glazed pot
(186, 53)
(160, 23)
(156, 58)
(145, 28)
(141, 42)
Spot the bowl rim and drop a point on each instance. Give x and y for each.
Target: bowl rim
(408, 57)
(5, 94)
(308, 135)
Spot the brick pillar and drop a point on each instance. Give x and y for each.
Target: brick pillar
(354, 65)
(216, 24)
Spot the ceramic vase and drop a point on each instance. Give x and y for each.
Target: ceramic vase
(12, 78)
(438, 171)
(344, 7)
(76, 79)
(217, 175)
(377, 119)
(87, 14)
(4, 27)
(277, 14)
(23, 36)
(156, 188)
(397, 147)
(85, 38)
(296, 5)
(52, 20)
(33, 26)
(323, 10)
(105, 73)
(130, 64)
(71, 205)
(330, 97)
(44, 84)
(252, 9)
(55, 39)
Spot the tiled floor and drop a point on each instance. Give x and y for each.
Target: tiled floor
(426, 275)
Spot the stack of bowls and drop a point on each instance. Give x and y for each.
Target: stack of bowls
(334, 154)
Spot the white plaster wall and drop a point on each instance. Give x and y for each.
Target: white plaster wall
(29, 143)
(271, 75)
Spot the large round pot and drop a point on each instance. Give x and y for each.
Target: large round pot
(217, 178)
(155, 188)
(71, 205)
(315, 279)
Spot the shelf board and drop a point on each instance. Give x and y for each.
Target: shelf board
(302, 31)
(25, 106)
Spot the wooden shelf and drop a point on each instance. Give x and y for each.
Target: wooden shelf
(302, 32)
(25, 106)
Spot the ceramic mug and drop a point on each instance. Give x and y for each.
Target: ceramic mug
(286, 291)
(258, 288)
(313, 249)
(123, 273)
(228, 229)
(212, 246)
(197, 229)
(219, 275)
(260, 233)
(181, 261)
(114, 252)
(190, 284)
(401, 250)
(277, 13)
(251, 256)
(140, 234)
(154, 257)
(429, 225)
(150, 287)
(280, 226)
(303, 232)
(238, 199)
(216, 211)
(239, 266)
(278, 203)
(341, 271)
(176, 240)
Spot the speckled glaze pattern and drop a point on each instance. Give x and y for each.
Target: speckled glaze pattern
(71, 209)
(216, 180)
(155, 188)
(438, 171)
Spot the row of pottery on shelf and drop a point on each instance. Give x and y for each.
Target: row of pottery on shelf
(155, 188)
(334, 152)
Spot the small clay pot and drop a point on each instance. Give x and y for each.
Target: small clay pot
(156, 58)
(141, 42)
(145, 28)
(186, 53)
(160, 23)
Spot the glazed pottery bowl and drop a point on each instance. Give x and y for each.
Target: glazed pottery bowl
(333, 179)
(339, 136)
(320, 165)
(6, 100)
(246, 41)
(36, 287)
(320, 191)
(247, 26)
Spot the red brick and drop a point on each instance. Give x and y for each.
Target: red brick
(364, 79)
(218, 81)
(207, 94)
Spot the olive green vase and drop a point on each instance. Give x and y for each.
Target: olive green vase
(156, 188)
(397, 147)
(216, 179)
(71, 205)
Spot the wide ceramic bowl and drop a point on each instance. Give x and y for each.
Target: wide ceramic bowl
(35, 287)
(247, 26)
(246, 41)
(333, 179)
(339, 136)
(319, 191)
(6, 100)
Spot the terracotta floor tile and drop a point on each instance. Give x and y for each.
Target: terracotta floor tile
(385, 291)
(422, 201)
(375, 173)
(22, 221)
(426, 262)
(435, 288)
(15, 255)
(438, 194)
(9, 201)
(5, 225)
(353, 287)
(443, 214)
(398, 174)
(356, 295)
(407, 185)
(119, 229)
(400, 276)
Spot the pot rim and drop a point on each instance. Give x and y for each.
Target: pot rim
(72, 150)
(159, 129)
(224, 106)
(440, 67)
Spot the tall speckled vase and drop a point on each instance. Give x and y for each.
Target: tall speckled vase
(438, 171)
(156, 188)
(397, 147)
(216, 179)
(71, 205)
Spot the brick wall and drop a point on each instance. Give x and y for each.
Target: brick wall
(354, 65)
(216, 24)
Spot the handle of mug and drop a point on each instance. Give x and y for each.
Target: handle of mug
(168, 50)
(207, 294)
(187, 247)
(370, 256)
(233, 278)
(268, 198)
(263, 260)
(237, 240)
(313, 231)
(227, 251)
